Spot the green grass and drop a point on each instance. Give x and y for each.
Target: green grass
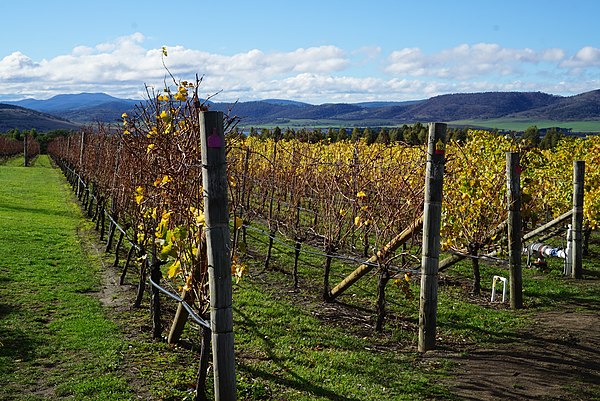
(54, 339)
(522, 125)
(290, 345)
(290, 349)
(547, 289)
(287, 353)
(13, 161)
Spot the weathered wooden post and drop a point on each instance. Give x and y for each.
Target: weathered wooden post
(81, 150)
(156, 276)
(515, 247)
(25, 153)
(142, 280)
(180, 319)
(432, 216)
(214, 181)
(577, 222)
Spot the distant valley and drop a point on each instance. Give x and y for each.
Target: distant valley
(487, 109)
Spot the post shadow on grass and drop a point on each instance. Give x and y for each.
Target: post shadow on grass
(491, 335)
(591, 274)
(39, 211)
(298, 383)
(15, 344)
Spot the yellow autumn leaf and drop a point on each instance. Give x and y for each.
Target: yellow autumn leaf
(239, 222)
(181, 95)
(166, 216)
(237, 269)
(200, 220)
(174, 269)
(162, 181)
(361, 194)
(188, 284)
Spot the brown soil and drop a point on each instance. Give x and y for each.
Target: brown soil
(117, 299)
(557, 358)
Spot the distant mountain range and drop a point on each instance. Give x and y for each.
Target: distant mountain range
(71, 110)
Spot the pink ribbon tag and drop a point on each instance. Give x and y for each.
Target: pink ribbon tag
(214, 140)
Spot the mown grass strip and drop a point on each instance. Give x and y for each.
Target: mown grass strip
(54, 339)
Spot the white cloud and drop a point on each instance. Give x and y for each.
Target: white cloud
(466, 61)
(125, 65)
(314, 74)
(585, 58)
(408, 61)
(17, 62)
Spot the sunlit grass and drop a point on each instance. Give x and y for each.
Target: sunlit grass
(55, 340)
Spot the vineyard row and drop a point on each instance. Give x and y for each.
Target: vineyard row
(349, 198)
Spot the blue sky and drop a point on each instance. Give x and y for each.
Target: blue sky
(314, 51)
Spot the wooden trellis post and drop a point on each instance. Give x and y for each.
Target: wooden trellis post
(82, 145)
(25, 150)
(577, 222)
(216, 214)
(515, 243)
(432, 217)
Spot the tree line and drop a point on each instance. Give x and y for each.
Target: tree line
(415, 134)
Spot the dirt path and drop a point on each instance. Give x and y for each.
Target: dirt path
(557, 358)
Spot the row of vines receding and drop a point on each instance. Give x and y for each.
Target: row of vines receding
(10, 147)
(345, 199)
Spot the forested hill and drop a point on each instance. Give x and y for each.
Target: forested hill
(92, 107)
(451, 107)
(478, 105)
(585, 106)
(24, 119)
